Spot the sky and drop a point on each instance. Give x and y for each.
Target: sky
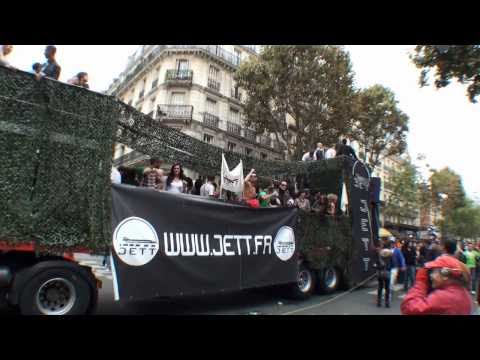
(443, 123)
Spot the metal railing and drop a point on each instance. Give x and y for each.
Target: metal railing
(234, 128)
(249, 134)
(211, 120)
(179, 75)
(175, 112)
(265, 141)
(213, 84)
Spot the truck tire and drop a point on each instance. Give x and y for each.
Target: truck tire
(328, 280)
(305, 285)
(56, 291)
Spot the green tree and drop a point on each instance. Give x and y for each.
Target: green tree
(312, 84)
(381, 126)
(402, 198)
(461, 62)
(463, 222)
(447, 191)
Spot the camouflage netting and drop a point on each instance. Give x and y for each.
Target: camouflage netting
(56, 144)
(55, 150)
(325, 241)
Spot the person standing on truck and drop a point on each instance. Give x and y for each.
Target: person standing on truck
(51, 68)
(346, 150)
(153, 175)
(302, 202)
(176, 182)
(284, 194)
(383, 265)
(319, 152)
(207, 189)
(5, 51)
(308, 156)
(330, 153)
(250, 190)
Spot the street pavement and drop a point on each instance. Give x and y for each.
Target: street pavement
(360, 301)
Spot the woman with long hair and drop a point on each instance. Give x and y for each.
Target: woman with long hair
(176, 181)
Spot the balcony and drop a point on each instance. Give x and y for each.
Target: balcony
(250, 135)
(175, 114)
(214, 85)
(235, 94)
(179, 77)
(251, 48)
(266, 141)
(233, 128)
(211, 120)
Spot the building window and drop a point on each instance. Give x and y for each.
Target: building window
(231, 146)
(248, 152)
(211, 107)
(182, 65)
(214, 78)
(263, 156)
(177, 98)
(234, 116)
(208, 138)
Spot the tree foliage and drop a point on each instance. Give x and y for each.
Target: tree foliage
(312, 84)
(463, 222)
(381, 126)
(447, 191)
(402, 200)
(461, 62)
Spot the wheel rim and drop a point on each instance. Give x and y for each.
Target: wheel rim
(56, 297)
(330, 278)
(304, 281)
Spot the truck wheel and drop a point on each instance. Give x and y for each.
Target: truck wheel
(56, 291)
(328, 280)
(305, 285)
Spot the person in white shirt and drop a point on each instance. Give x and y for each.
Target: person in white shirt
(308, 156)
(176, 180)
(4, 52)
(330, 153)
(115, 176)
(207, 189)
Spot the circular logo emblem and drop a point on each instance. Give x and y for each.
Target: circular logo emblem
(284, 243)
(135, 241)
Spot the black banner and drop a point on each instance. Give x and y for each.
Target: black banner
(364, 249)
(174, 244)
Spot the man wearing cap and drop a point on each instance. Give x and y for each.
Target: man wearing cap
(449, 279)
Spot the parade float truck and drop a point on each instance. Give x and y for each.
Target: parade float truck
(57, 206)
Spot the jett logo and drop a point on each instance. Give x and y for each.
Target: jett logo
(284, 243)
(135, 241)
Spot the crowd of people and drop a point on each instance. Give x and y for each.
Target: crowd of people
(439, 277)
(49, 69)
(275, 195)
(322, 153)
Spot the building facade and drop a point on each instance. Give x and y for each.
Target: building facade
(192, 88)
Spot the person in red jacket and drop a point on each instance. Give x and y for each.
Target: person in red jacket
(449, 296)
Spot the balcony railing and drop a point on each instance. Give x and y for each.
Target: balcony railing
(266, 141)
(184, 75)
(175, 112)
(234, 128)
(236, 94)
(211, 120)
(213, 84)
(250, 134)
